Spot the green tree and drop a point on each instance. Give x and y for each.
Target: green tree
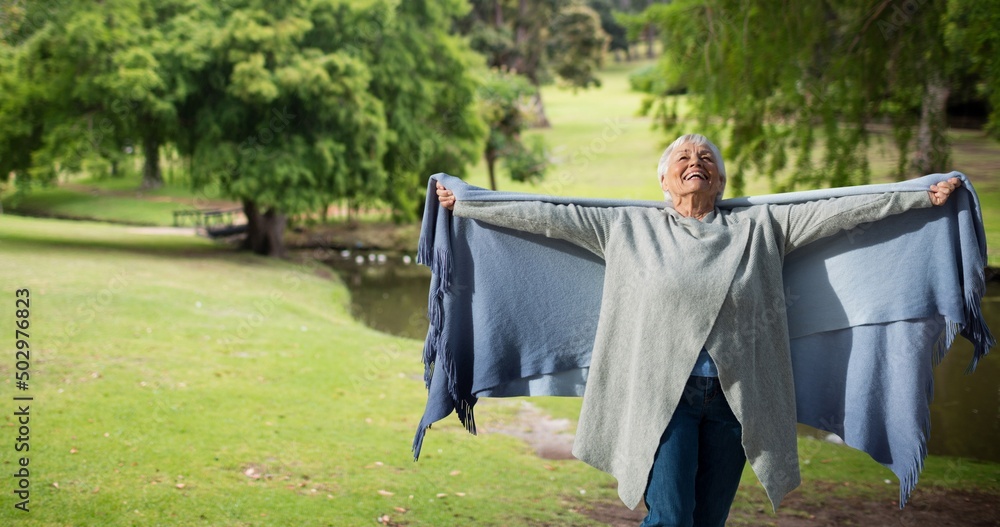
(312, 102)
(617, 35)
(286, 107)
(503, 97)
(577, 46)
(972, 33)
(283, 120)
(777, 77)
(89, 84)
(422, 75)
(638, 28)
(515, 35)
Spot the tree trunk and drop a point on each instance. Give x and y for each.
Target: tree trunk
(650, 38)
(538, 108)
(522, 14)
(931, 153)
(520, 63)
(265, 232)
(151, 176)
(491, 162)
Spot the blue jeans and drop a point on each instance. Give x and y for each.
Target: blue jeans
(698, 464)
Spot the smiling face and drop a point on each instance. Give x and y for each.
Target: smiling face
(692, 170)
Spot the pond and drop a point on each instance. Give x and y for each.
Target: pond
(389, 293)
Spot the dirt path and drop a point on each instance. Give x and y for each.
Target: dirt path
(814, 504)
(927, 507)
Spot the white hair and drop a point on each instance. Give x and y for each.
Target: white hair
(696, 140)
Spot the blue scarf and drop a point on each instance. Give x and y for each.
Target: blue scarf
(871, 384)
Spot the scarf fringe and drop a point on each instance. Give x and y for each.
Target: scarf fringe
(436, 343)
(909, 480)
(418, 441)
(975, 328)
(466, 416)
(425, 247)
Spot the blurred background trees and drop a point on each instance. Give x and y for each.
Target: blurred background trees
(804, 84)
(289, 107)
(538, 39)
(503, 95)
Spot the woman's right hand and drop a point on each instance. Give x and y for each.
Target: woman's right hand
(446, 197)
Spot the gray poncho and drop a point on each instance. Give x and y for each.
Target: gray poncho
(535, 295)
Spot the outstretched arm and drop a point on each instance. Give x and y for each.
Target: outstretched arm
(804, 223)
(587, 227)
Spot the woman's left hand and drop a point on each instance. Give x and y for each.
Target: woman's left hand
(940, 191)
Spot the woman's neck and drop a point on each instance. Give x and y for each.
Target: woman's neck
(693, 205)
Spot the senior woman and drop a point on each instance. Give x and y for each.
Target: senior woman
(690, 373)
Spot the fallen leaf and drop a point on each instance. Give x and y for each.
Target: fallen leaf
(399, 509)
(180, 485)
(454, 472)
(442, 494)
(384, 519)
(460, 494)
(73, 451)
(386, 493)
(55, 484)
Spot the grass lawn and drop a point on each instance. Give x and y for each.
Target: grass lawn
(179, 383)
(176, 382)
(115, 200)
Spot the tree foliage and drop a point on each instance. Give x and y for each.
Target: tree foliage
(972, 32)
(84, 81)
(285, 106)
(775, 78)
(528, 37)
(432, 115)
(503, 97)
(617, 34)
(577, 31)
